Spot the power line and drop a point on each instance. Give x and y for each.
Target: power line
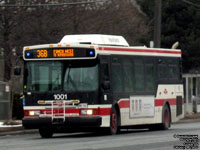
(55, 4)
(193, 4)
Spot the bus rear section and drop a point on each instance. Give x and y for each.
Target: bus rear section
(73, 86)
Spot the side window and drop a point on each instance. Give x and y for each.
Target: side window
(173, 68)
(104, 66)
(117, 83)
(169, 69)
(105, 72)
(149, 75)
(162, 68)
(139, 74)
(128, 75)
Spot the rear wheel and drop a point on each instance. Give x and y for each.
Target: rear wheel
(114, 122)
(46, 132)
(166, 119)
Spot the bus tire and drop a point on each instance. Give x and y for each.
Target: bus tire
(166, 118)
(114, 122)
(46, 132)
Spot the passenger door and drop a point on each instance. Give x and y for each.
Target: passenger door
(105, 81)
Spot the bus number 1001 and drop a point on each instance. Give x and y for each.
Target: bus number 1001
(60, 96)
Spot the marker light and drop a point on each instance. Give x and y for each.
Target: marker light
(41, 102)
(91, 53)
(28, 54)
(75, 101)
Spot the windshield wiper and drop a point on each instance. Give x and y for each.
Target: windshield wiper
(56, 82)
(70, 79)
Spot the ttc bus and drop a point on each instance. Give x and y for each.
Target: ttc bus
(94, 82)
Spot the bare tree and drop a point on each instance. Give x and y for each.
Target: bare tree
(20, 26)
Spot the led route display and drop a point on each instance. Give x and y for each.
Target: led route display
(59, 53)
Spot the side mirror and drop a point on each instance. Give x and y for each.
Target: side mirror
(106, 85)
(17, 71)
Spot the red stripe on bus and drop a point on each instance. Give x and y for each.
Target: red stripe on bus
(140, 50)
(124, 103)
(97, 111)
(158, 102)
(104, 111)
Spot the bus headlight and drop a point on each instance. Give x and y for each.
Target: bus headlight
(87, 112)
(34, 113)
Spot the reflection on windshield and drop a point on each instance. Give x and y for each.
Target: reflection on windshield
(44, 76)
(81, 79)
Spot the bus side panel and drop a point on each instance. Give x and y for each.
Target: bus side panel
(165, 93)
(172, 93)
(140, 118)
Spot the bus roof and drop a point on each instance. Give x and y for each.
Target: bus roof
(89, 46)
(142, 51)
(95, 39)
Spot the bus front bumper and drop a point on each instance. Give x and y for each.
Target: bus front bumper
(85, 121)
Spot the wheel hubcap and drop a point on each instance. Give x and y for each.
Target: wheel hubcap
(113, 121)
(166, 118)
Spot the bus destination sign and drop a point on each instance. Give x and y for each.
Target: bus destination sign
(63, 52)
(59, 53)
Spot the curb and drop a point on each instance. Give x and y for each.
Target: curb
(7, 129)
(187, 121)
(18, 132)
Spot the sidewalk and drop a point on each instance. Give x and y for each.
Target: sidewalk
(10, 125)
(15, 127)
(190, 118)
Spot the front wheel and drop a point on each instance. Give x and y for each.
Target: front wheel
(46, 132)
(114, 122)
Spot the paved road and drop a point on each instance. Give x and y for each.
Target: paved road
(127, 140)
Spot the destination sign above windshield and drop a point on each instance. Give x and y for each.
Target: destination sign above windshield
(59, 53)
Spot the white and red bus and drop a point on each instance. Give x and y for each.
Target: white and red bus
(88, 82)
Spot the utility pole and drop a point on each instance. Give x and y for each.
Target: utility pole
(157, 23)
(1, 64)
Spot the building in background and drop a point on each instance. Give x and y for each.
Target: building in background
(192, 92)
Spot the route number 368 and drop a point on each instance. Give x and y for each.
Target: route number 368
(42, 53)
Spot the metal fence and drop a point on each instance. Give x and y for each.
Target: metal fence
(5, 111)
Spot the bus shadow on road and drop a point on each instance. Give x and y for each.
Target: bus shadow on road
(78, 135)
(98, 134)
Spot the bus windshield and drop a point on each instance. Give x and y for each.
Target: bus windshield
(44, 76)
(81, 79)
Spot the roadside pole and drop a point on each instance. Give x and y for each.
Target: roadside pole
(157, 23)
